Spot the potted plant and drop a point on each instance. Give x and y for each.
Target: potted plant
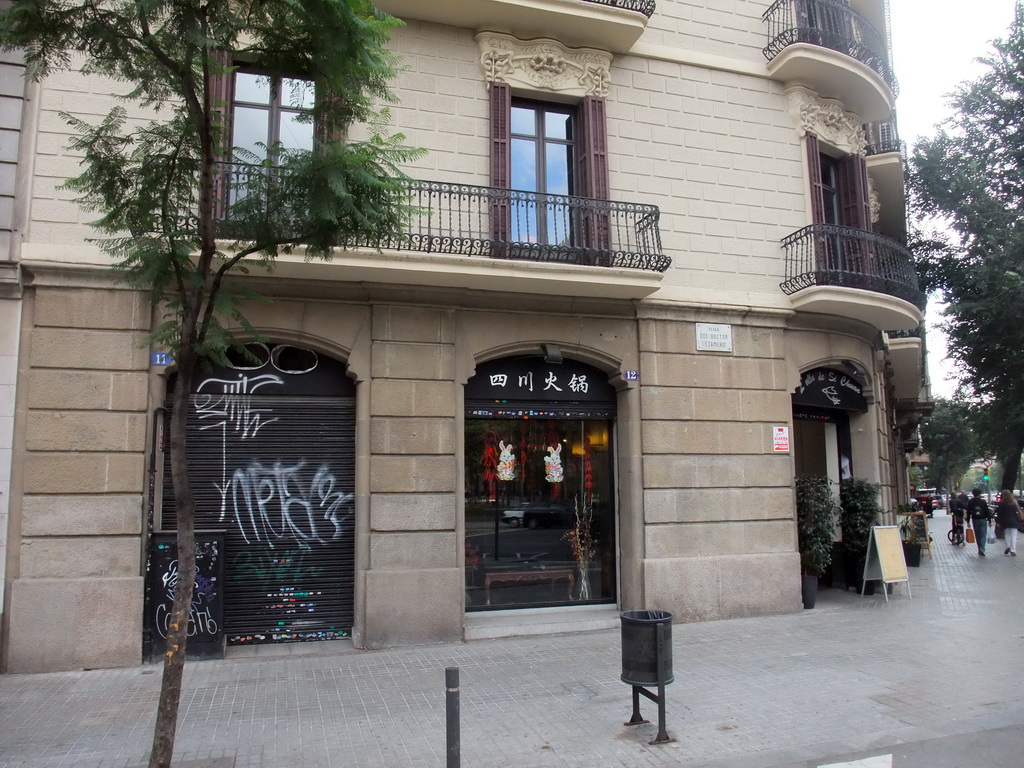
(908, 533)
(815, 519)
(859, 511)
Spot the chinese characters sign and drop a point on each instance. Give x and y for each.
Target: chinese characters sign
(533, 381)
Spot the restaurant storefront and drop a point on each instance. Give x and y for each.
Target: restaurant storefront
(540, 498)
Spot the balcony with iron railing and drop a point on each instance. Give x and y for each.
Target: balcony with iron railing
(612, 25)
(883, 138)
(852, 273)
(470, 224)
(831, 48)
(886, 161)
(906, 358)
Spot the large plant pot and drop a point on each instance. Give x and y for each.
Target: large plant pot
(809, 590)
(912, 554)
(855, 575)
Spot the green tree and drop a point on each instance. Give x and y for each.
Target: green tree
(948, 437)
(157, 184)
(970, 176)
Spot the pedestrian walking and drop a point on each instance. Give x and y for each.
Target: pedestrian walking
(957, 510)
(979, 514)
(1008, 520)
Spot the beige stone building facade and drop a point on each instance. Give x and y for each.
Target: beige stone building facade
(702, 292)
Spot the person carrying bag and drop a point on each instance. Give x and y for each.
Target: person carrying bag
(1008, 520)
(979, 515)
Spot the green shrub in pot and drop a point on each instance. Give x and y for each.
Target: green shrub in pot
(815, 517)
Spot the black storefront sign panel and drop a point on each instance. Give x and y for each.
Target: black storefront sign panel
(535, 379)
(830, 388)
(533, 388)
(206, 615)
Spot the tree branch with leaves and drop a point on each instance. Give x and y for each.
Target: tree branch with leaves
(156, 183)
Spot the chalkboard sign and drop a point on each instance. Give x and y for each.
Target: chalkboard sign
(885, 560)
(206, 617)
(920, 522)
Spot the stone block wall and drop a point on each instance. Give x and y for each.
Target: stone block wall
(76, 550)
(414, 578)
(719, 536)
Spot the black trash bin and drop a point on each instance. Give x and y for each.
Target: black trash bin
(641, 662)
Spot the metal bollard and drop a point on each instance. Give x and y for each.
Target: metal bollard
(451, 702)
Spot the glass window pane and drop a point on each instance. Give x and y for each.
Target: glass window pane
(524, 164)
(251, 129)
(524, 121)
(539, 517)
(557, 125)
(254, 89)
(297, 94)
(294, 134)
(556, 173)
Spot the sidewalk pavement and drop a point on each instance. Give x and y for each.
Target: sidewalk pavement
(855, 676)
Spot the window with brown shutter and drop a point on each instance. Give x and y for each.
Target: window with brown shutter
(544, 153)
(839, 196)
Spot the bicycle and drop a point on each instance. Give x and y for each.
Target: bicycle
(956, 534)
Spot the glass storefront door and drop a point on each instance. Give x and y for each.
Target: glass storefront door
(540, 526)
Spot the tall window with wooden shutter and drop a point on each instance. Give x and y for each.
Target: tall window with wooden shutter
(840, 198)
(501, 119)
(260, 112)
(544, 153)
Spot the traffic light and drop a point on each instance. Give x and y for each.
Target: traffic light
(985, 477)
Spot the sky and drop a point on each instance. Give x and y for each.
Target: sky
(935, 45)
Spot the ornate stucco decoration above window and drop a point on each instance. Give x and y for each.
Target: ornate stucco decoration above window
(827, 120)
(874, 201)
(543, 65)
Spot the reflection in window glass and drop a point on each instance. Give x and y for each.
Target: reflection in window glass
(266, 111)
(297, 94)
(252, 88)
(539, 513)
(524, 121)
(294, 134)
(557, 125)
(541, 162)
(524, 164)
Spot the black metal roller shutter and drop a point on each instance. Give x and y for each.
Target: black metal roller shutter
(277, 473)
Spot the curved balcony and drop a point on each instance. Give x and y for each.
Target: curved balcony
(827, 46)
(906, 356)
(612, 25)
(852, 273)
(886, 160)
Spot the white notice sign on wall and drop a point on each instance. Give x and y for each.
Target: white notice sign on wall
(780, 439)
(714, 337)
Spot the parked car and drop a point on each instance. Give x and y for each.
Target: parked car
(537, 516)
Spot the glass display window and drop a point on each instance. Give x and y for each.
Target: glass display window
(540, 519)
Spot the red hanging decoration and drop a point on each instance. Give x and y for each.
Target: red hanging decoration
(489, 460)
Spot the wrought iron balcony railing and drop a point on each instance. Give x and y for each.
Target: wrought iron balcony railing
(831, 255)
(831, 24)
(883, 138)
(646, 7)
(911, 333)
(467, 220)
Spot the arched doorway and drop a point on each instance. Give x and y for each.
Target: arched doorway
(271, 456)
(822, 406)
(539, 485)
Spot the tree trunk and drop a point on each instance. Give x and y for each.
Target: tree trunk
(177, 632)
(1011, 467)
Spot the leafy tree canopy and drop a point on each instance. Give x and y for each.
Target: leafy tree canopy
(948, 437)
(157, 185)
(970, 176)
(177, 220)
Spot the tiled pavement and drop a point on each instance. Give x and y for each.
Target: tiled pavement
(853, 674)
